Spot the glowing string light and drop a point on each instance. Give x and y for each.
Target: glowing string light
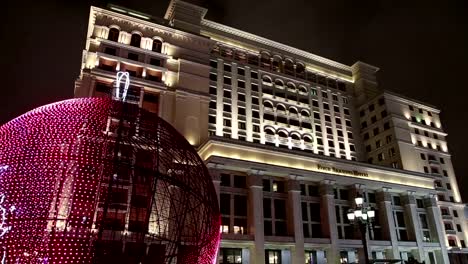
(120, 76)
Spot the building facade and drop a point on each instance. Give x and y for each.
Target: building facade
(290, 138)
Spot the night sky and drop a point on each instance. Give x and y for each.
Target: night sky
(421, 47)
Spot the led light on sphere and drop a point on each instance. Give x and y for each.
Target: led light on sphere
(81, 178)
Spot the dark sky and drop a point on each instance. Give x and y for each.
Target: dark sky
(420, 46)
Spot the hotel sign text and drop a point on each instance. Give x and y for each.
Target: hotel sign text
(341, 171)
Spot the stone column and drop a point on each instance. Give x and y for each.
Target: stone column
(328, 220)
(434, 220)
(412, 224)
(295, 220)
(384, 203)
(255, 217)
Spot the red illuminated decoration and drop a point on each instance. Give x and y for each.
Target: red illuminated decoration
(94, 180)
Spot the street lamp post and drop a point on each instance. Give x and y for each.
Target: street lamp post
(363, 216)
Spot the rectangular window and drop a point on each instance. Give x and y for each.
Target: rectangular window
(376, 131)
(242, 125)
(388, 139)
(272, 256)
(386, 126)
(230, 255)
(380, 156)
(214, 64)
(213, 77)
(254, 87)
(396, 200)
(378, 144)
(227, 80)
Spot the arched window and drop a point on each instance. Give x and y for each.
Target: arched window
(308, 139)
(303, 89)
(265, 60)
(289, 67)
(293, 111)
(300, 70)
(295, 136)
(269, 131)
(282, 134)
(305, 113)
(279, 83)
(157, 45)
(281, 107)
(135, 40)
(266, 79)
(113, 34)
(277, 64)
(267, 104)
(292, 87)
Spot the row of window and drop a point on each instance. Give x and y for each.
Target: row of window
(234, 256)
(427, 134)
(371, 107)
(277, 64)
(376, 130)
(291, 88)
(379, 143)
(421, 111)
(420, 121)
(135, 39)
(437, 147)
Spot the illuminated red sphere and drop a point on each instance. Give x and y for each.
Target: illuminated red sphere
(99, 181)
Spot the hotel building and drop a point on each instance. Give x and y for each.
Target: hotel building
(290, 139)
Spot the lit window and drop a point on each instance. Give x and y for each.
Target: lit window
(275, 187)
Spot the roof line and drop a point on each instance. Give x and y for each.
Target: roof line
(249, 36)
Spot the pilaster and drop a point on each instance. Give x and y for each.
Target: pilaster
(434, 219)
(384, 203)
(255, 221)
(295, 220)
(328, 220)
(413, 226)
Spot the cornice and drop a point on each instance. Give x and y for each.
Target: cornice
(242, 34)
(151, 26)
(409, 101)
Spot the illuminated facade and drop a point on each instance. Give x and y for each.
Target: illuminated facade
(290, 138)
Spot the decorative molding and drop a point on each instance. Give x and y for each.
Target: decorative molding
(144, 25)
(207, 24)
